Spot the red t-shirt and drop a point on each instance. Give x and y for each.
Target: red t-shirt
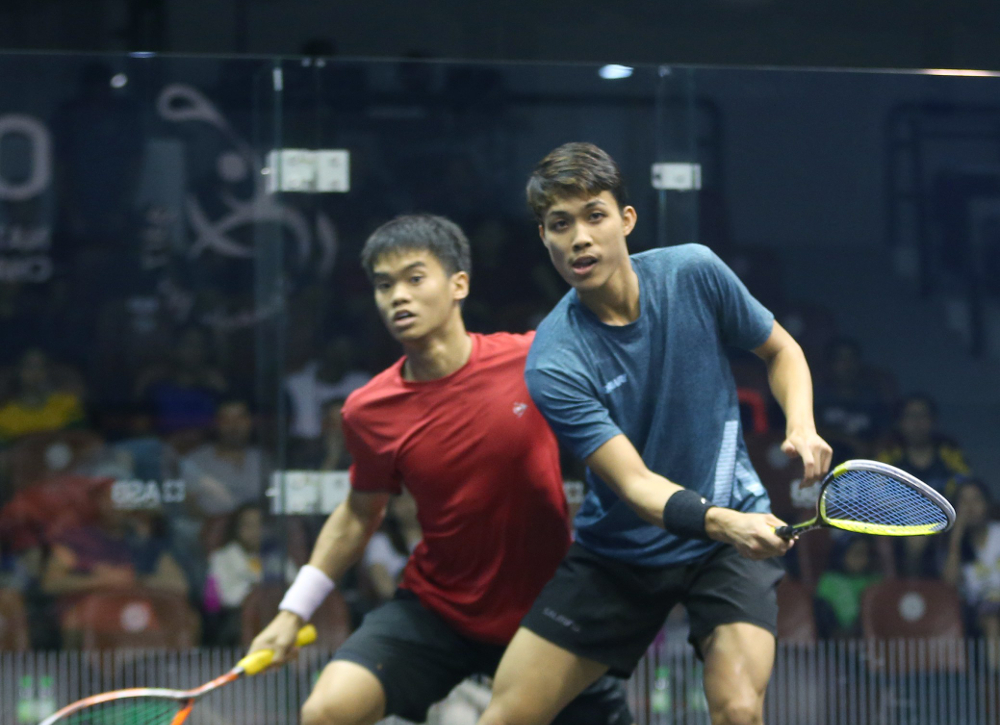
(483, 468)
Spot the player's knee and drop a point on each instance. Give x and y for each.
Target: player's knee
(324, 711)
(739, 710)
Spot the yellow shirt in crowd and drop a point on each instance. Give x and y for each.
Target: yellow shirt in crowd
(61, 410)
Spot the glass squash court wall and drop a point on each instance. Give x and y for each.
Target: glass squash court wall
(182, 310)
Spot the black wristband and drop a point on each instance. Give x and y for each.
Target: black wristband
(684, 515)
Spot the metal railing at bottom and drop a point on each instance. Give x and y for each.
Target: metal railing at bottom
(843, 682)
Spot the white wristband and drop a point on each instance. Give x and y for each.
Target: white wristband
(310, 588)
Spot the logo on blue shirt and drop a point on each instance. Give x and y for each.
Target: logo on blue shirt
(616, 383)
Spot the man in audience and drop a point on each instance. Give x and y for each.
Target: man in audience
(918, 448)
(118, 549)
(37, 405)
(852, 409)
(230, 471)
(325, 379)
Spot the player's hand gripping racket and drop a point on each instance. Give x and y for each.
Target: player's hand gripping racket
(160, 706)
(869, 497)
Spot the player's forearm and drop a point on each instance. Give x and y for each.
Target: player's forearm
(619, 465)
(343, 538)
(791, 383)
(647, 494)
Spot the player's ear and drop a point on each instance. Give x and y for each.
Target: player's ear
(541, 233)
(460, 285)
(629, 218)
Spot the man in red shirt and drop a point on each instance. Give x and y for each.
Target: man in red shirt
(451, 421)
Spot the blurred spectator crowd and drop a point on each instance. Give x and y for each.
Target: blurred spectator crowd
(143, 411)
(164, 496)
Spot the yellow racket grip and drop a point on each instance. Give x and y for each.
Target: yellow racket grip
(258, 661)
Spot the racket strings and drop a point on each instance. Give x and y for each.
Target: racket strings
(880, 500)
(131, 711)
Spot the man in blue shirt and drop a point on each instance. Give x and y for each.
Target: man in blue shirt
(630, 371)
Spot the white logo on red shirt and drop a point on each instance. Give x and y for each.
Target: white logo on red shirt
(519, 409)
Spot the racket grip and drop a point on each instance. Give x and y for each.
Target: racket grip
(259, 661)
(786, 532)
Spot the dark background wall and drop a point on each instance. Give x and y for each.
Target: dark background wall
(851, 33)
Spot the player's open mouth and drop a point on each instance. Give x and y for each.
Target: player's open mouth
(582, 265)
(403, 318)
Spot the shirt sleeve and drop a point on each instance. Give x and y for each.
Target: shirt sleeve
(580, 421)
(743, 321)
(373, 468)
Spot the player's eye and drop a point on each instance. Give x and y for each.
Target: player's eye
(597, 216)
(558, 226)
(382, 286)
(415, 279)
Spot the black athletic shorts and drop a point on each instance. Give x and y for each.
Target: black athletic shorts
(419, 658)
(610, 611)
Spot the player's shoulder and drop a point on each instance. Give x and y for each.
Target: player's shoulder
(368, 395)
(558, 336)
(680, 256)
(503, 344)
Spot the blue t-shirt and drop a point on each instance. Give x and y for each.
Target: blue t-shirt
(664, 381)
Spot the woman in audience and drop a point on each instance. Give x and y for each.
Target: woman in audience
(233, 571)
(247, 558)
(973, 560)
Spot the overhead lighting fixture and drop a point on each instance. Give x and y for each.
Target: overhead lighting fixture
(962, 73)
(119, 80)
(142, 54)
(615, 72)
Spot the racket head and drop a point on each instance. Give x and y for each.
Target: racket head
(139, 706)
(870, 497)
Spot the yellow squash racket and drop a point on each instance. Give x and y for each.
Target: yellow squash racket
(869, 497)
(160, 706)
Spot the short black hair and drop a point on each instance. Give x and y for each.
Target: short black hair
(574, 170)
(416, 232)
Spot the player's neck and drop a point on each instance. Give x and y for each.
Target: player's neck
(616, 302)
(439, 354)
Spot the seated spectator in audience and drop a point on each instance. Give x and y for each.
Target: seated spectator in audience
(335, 454)
(973, 560)
(918, 448)
(233, 570)
(230, 471)
(118, 549)
(389, 548)
(839, 590)
(329, 452)
(852, 409)
(183, 392)
(332, 376)
(37, 404)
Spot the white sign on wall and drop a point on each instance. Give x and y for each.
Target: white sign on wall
(305, 170)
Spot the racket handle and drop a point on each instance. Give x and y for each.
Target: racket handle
(259, 660)
(786, 532)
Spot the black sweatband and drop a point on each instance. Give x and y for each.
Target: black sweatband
(684, 515)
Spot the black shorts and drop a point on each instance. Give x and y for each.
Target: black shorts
(610, 611)
(419, 658)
